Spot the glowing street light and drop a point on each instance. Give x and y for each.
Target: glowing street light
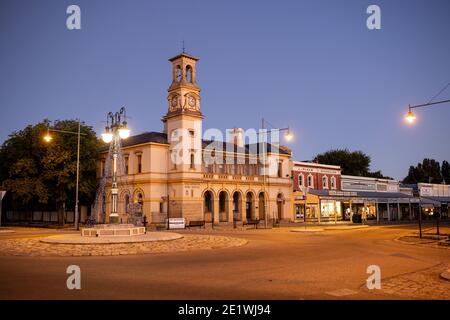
(288, 135)
(124, 132)
(107, 136)
(411, 117)
(48, 137)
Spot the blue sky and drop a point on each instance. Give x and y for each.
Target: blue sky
(310, 65)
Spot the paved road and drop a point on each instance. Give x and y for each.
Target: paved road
(275, 264)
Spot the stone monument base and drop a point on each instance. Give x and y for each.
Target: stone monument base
(113, 230)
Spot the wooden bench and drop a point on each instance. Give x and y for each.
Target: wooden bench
(196, 223)
(254, 222)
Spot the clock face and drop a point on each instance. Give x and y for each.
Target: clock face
(191, 101)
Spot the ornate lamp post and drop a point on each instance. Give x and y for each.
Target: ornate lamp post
(116, 129)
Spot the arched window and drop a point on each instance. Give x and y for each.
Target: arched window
(333, 183)
(127, 203)
(325, 182)
(208, 201)
(310, 181)
(140, 201)
(189, 73)
(178, 73)
(300, 180)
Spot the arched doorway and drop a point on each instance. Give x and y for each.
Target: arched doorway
(280, 205)
(223, 206)
(208, 206)
(249, 211)
(262, 206)
(237, 199)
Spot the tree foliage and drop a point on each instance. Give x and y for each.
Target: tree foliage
(355, 163)
(445, 171)
(429, 171)
(35, 172)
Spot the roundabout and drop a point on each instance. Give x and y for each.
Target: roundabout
(74, 245)
(91, 240)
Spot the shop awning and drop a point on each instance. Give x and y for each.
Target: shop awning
(429, 203)
(366, 196)
(442, 200)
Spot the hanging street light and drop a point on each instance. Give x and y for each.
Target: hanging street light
(410, 117)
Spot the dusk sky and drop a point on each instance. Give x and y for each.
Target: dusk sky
(310, 65)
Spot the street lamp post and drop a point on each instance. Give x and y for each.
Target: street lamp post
(411, 117)
(116, 129)
(48, 138)
(288, 136)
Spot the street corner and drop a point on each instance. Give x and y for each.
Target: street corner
(427, 284)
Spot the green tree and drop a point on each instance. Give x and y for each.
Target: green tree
(429, 171)
(445, 171)
(36, 172)
(355, 163)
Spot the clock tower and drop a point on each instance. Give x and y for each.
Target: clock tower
(183, 126)
(184, 93)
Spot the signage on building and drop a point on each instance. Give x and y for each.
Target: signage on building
(392, 187)
(177, 223)
(358, 186)
(426, 191)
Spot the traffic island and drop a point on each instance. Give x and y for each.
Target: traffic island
(155, 242)
(441, 241)
(78, 239)
(6, 231)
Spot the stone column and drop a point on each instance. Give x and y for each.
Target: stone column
(215, 213)
(351, 211)
(319, 211)
(378, 212)
(335, 211)
(243, 209)
(398, 211)
(389, 211)
(410, 211)
(230, 210)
